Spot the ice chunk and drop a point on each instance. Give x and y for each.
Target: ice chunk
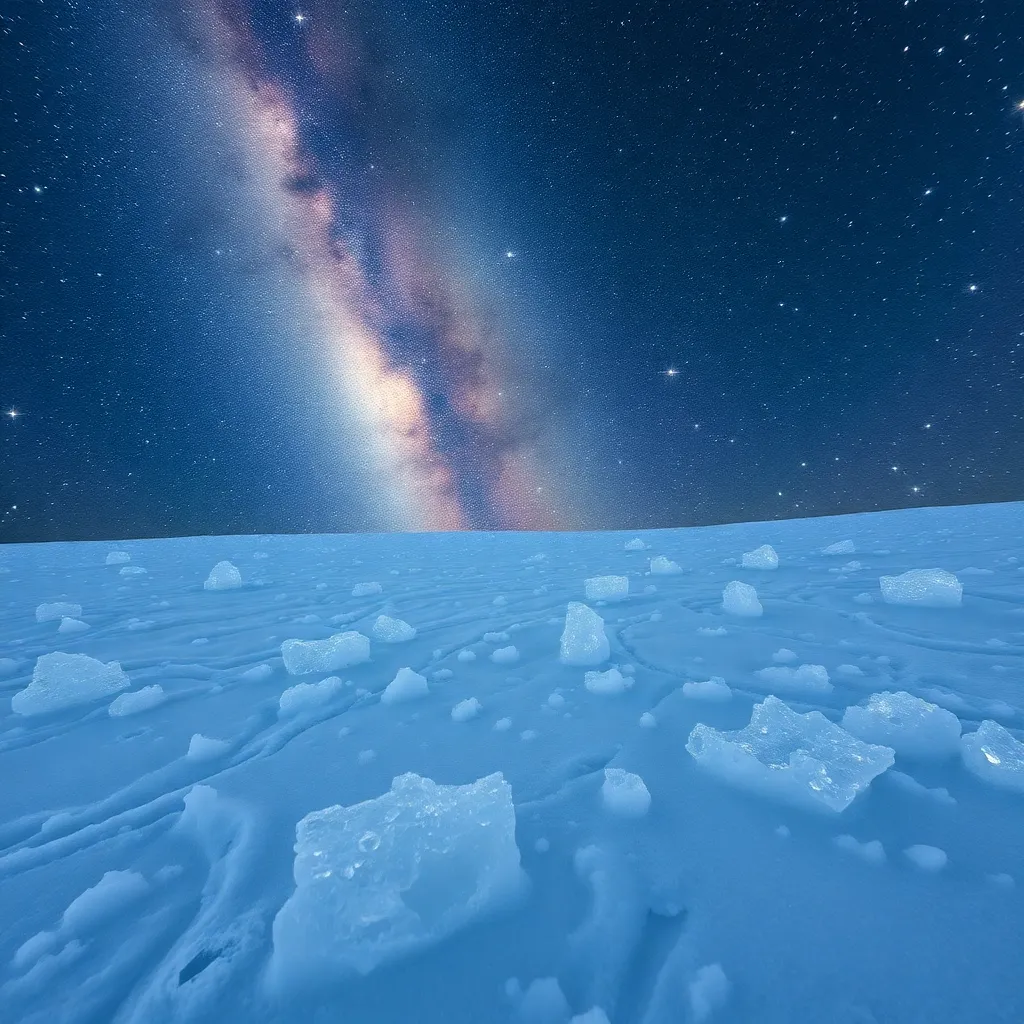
(118, 558)
(932, 588)
(379, 879)
(131, 570)
(505, 655)
(662, 566)
(338, 651)
(803, 759)
(495, 637)
(223, 576)
(103, 901)
(407, 685)
(708, 992)
(909, 784)
(784, 655)
(647, 720)
(542, 1003)
(712, 630)
(583, 639)
(805, 679)
(763, 557)
(62, 680)
(68, 625)
(849, 670)
(257, 673)
(841, 547)
(205, 748)
(927, 858)
(625, 794)
(307, 696)
(911, 726)
(466, 709)
(872, 852)
(503, 725)
(741, 599)
(366, 589)
(466, 655)
(995, 755)
(392, 631)
(714, 688)
(134, 703)
(556, 700)
(57, 610)
(607, 683)
(606, 588)
(636, 544)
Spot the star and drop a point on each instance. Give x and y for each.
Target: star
(972, 288)
(783, 218)
(510, 255)
(13, 413)
(670, 372)
(299, 17)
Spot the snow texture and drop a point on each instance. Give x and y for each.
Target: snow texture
(930, 588)
(911, 726)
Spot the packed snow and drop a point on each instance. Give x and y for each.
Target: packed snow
(683, 799)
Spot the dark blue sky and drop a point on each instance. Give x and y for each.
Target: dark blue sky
(452, 299)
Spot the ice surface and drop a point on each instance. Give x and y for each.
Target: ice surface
(662, 566)
(714, 689)
(803, 759)
(132, 570)
(784, 655)
(466, 709)
(927, 858)
(379, 879)
(709, 991)
(407, 685)
(105, 899)
(135, 703)
(911, 726)
(595, 1015)
(341, 650)
(647, 720)
(625, 794)
(805, 679)
(741, 599)
(309, 696)
(392, 631)
(606, 588)
(930, 588)
(62, 680)
(606, 683)
(763, 557)
(583, 639)
(543, 1002)
(223, 576)
(995, 755)
(57, 610)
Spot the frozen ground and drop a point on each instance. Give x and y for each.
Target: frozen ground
(531, 827)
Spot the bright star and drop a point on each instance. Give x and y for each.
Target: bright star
(299, 18)
(13, 413)
(972, 287)
(670, 372)
(783, 219)
(510, 255)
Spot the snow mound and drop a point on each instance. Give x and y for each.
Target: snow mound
(802, 759)
(407, 685)
(257, 673)
(994, 755)
(872, 852)
(366, 589)
(927, 858)
(401, 872)
(709, 991)
(131, 570)
(606, 588)
(307, 696)
(103, 901)
(55, 610)
(625, 794)
(763, 557)
(466, 709)
(223, 576)
(784, 655)
(505, 655)
(62, 680)
(911, 726)
(338, 651)
(805, 679)
(647, 720)
(68, 625)
(741, 599)
(583, 639)
(930, 588)
(392, 631)
(607, 683)
(714, 688)
(662, 566)
(134, 703)
(466, 655)
(117, 558)
(636, 544)
(205, 748)
(841, 547)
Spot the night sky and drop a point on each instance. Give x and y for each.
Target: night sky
(268, 267)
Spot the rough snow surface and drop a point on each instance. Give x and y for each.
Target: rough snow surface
(930, 588)
(62, 680)
(911, 726)
(800, 758)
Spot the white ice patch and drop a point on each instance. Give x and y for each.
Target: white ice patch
(607, 683)
(841, 547)
(505, 656)
(805, 679)
(994, 755)
(763, 557)
(68, 625)
(606, 588)
(624, 794)
(871, 852)
(407, 685)
(911, 726)
(784, 655)
(466, 709)
(392, 631)
(336, 652)
(662, 566)
(62, 680)
(380, 879)
(647, 720)
(713, 689)
(709, 991)
(131, 570)
(802, 759)
(366, 589)
(257, 673)
(927, 858)
(118, 558)
(205, 748)
(223, 576)
(741, 599)
(309, 696)
(636, 544)
(466, 655)
(57, 610)
(583, 639)
(135, 703)
(930, 588)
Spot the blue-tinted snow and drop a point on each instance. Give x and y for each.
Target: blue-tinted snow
(141, 884)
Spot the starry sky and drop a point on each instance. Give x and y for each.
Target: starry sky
(347, 265)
